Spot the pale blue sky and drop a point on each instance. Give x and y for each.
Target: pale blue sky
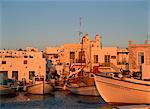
(49, 23)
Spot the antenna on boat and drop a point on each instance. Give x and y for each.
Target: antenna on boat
(80, 25)
(80, 37)
(147, 37)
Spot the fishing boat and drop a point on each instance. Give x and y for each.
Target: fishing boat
(6, 86)
(6, 90)
(39, 86)
(117, 89)
(83, 84)
(83, 90)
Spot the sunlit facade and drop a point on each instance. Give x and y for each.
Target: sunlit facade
(139, 58)
(21, 64)
(91, 53)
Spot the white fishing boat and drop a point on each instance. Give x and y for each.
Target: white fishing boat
(40, 86)
(122, 90)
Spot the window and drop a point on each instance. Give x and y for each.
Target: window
(3, 62)
(31, 74)
(82, 56)
(15, 74)
(72, 56)
(8, 56)
(140, 57)
(30, 56)
(4, 73)
(92, 45)
(95, 58)
(25, 61)
(107, 58)
(55, 55)
(25, 56)
(113, 57)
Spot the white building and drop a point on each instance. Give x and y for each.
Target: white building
(89, 51)
(22, 63)
(139, 58)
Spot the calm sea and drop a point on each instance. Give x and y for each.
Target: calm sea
(60, 100)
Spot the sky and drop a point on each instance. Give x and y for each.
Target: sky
(43, 23)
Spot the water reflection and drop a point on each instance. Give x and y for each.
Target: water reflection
(60, 100)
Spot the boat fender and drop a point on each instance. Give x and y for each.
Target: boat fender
(122, 78)
(28, 99)
(120, 75)
(24, 88)
(17, 88)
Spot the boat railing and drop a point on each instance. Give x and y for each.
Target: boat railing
(137, 81)
(115, 75)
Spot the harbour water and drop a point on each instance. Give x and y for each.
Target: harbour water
(60, 100)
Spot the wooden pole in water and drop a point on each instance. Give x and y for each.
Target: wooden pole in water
(43, 86)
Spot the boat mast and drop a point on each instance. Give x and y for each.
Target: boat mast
(147, 36)
(80, 24)
(80, 37)
(90, 57)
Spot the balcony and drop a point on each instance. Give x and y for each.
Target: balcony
(80, 60)
(106, 64)
(122, 63)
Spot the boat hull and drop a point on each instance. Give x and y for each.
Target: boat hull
(84, 90)
(41, 88)
(121, 91)
(6, 90)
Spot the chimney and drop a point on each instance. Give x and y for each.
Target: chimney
(130, 42)
(146, 41)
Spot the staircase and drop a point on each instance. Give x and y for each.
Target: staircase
(114, 67)
(132, 58)
(108, 67)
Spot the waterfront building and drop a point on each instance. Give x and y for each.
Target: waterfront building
(52, 54)
(89, 52)
(21, 64)
(139, 58)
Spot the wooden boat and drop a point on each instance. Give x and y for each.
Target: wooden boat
(40, 86)
(83, 85)
(7, 86)
(6, 90)
(84, 90)
(122, 90)
(85, 80)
